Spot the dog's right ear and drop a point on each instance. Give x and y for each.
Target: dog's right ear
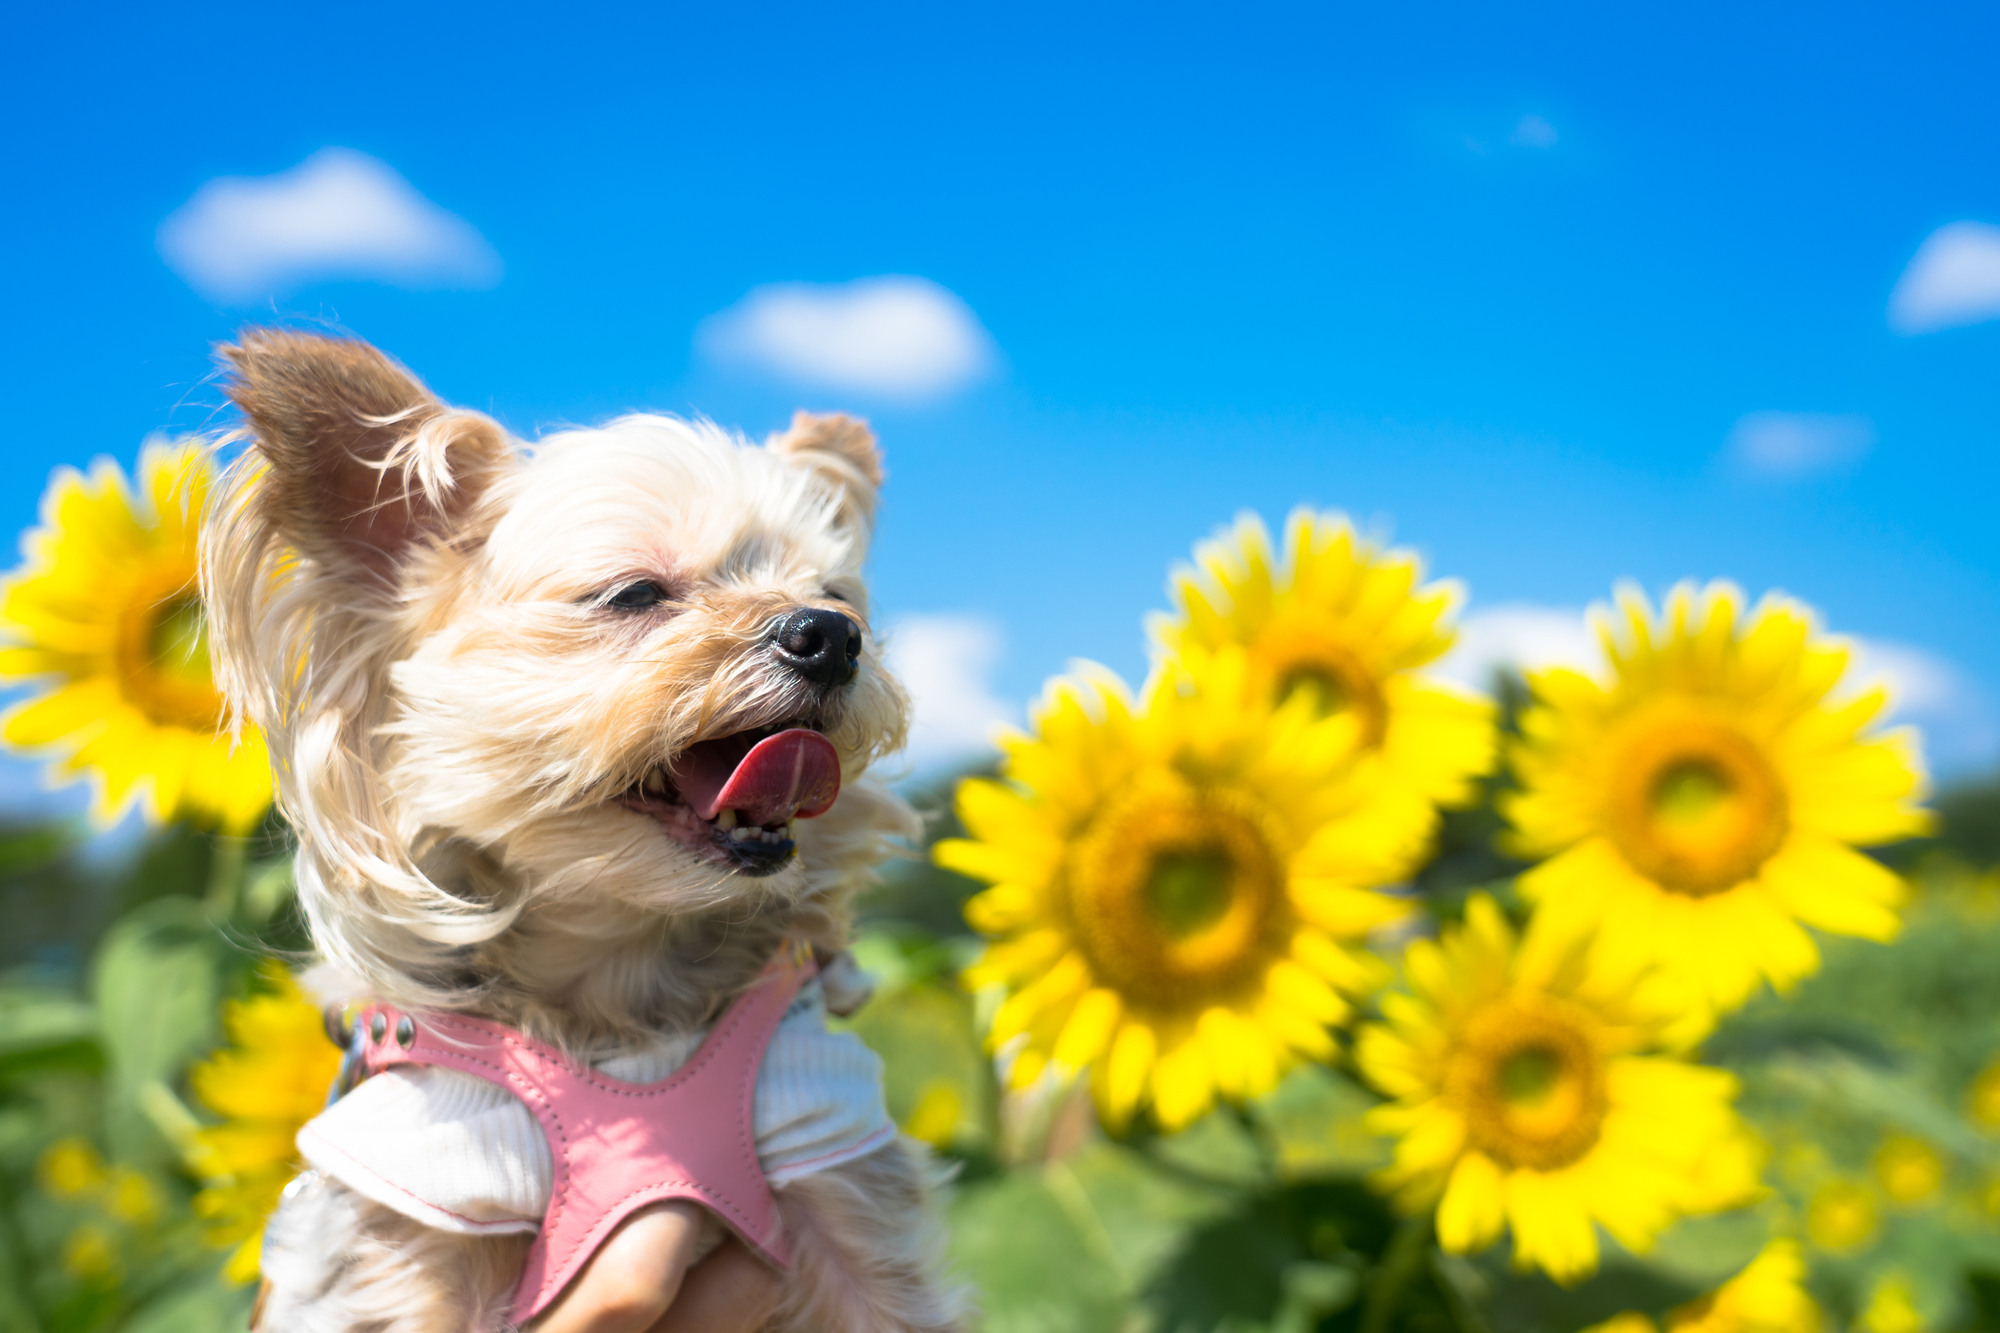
(361, 461)
(843, 452)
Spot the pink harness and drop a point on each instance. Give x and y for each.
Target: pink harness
(620, 1146)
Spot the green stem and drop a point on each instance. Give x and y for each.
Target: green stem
(1464, 1317)
(1268, 1153)
(1404, 1258)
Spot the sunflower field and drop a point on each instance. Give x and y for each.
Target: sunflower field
(1290, 989)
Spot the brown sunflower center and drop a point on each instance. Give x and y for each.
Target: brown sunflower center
(1529, 1079)
(1695, 805)
(162, 655)
(1177, 895)
(1336, 682)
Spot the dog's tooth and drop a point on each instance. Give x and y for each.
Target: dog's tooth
(726, 820)
(791, 830)
(656, 782)
(739, 834)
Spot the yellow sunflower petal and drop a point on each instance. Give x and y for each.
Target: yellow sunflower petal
(1474, 1209)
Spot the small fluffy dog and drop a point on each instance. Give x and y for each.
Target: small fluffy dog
(499, 685)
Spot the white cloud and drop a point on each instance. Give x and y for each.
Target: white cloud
(1919, 682)
(1793, 444)
(947, 663)
(1522, 636)
(1533, 132)
(337, 215)
(899, 337)
(1953, 279)
(1960, 733)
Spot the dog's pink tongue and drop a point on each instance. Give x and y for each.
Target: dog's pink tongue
(795, 772)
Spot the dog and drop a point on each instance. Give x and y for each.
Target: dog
(503, 687)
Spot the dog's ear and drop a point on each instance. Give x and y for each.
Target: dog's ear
(842, 450)
(361, 461)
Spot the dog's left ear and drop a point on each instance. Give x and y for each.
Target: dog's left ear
(842, 450)
(362, 463)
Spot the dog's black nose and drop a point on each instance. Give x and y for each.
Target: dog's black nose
(822, 646)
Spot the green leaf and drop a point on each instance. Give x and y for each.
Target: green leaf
(1705, 1252)
(930, 1053)
(1140, 1214)
(1314, 1119)
(1033, 1269)
(156, 985)
(1219, 1147)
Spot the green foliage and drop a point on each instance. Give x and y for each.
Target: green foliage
(1258, 1219)
(93, 1061)
(1882, 1043)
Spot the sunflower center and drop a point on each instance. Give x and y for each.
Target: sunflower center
(1189, 891)
(1335, 682)
(1695, 805)
(162, 654)
(1177, 894)
(1530, 1082)
(1528, 1076)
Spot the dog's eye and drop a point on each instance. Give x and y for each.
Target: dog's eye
(637, 596)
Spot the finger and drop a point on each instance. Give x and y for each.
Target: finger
(731, 1291)
(633, 1277)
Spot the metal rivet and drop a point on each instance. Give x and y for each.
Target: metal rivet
(406, 1032)
(376, 1027)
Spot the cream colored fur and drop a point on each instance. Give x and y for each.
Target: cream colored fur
(411, 606)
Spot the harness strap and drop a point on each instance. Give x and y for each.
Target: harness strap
(619, 1146)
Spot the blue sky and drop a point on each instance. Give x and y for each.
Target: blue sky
(1557, 295)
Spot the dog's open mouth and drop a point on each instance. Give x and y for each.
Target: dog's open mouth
(739, 797)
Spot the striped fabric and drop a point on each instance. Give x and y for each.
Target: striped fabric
(458, 1153)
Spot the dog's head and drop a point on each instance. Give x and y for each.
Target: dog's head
(631, 664)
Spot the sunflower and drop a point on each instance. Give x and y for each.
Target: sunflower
(1892, 1307)
(271, 1079)
(1174, 883)
(1529, 1093)
(1908, 1170)
(105, 609)
(1842, 1217)
(1768, 1296)
(1982, 1099)
(1347, 627)
(1704, 806)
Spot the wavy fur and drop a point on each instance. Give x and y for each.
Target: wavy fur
(413, 608)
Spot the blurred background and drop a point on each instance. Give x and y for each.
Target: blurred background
(1556, 296)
